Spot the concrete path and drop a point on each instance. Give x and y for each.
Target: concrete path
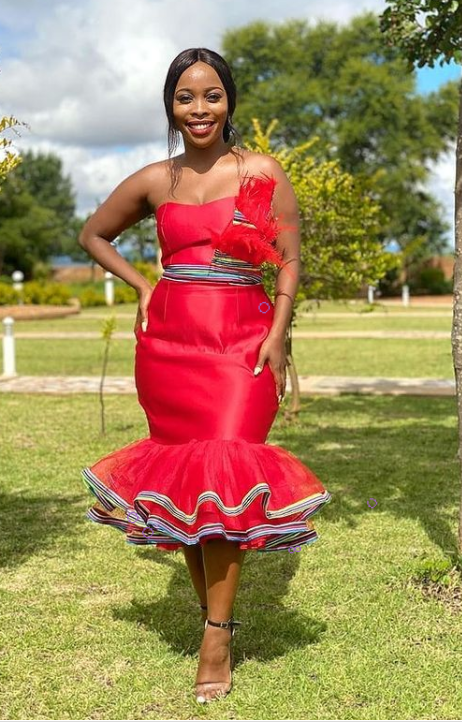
(309, 385)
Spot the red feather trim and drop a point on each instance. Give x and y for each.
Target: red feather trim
(253, 244)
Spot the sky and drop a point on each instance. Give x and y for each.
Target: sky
(87, 76)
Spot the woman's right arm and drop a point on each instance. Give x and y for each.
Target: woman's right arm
(126, 205)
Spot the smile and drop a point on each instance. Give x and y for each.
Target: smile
(201, 128)
(202, 125)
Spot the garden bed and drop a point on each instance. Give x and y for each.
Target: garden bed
(33, 311)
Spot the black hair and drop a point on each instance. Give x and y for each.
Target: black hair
(182, 62)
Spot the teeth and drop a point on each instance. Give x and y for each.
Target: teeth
(200, 125)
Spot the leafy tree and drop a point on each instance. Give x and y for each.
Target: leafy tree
(10, 160)
(36, 214)
(348, 87)
(424, 31)
(339, 228)
(28, 232)
(143, 237)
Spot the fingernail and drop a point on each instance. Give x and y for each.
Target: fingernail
(257, 370)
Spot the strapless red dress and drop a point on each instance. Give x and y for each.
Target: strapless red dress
(205, 471)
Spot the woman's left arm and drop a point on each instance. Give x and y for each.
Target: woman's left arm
(286, 211)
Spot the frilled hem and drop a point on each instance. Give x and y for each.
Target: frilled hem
(258, 495)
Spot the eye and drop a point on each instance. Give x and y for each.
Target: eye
(214, 95)
(181, 98)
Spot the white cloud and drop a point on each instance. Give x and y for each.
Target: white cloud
(442, 185)
(95, 175)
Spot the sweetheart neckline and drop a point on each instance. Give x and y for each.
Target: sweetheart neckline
(193, 205)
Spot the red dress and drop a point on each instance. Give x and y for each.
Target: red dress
(205, 470)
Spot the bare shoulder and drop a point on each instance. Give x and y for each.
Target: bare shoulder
(158, 178)
(129, 203)
(261, 163)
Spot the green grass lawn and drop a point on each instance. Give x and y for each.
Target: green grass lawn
(360, 307)
(93, 628)
(372, 323)
(330, 357)
(126, 322)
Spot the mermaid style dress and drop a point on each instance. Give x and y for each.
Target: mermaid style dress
(205, 470)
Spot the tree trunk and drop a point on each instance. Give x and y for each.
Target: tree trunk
(456, 336)
(295, 405)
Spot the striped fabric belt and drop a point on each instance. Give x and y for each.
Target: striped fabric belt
(222, 269)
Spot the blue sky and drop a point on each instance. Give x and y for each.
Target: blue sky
(430, 79)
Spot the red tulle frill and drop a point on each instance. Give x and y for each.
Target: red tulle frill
(256, 494)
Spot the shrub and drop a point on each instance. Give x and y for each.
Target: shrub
(125, 294)
(53, 294)
(8, 296)
(91, 297)
(148, 270)
(42, 271)
(431, 280)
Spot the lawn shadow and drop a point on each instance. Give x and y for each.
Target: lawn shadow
(269, 629)
(405, 457)
(391, 457)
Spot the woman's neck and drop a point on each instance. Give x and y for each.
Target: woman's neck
(203, 159)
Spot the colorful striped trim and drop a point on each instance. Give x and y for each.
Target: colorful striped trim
(222, 269)
(239, 219)
(164, 532)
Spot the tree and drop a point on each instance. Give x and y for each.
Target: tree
(36, 213)
(439, 35)
(339, 228)
(143, 237)
(350, 89)
(11, 160)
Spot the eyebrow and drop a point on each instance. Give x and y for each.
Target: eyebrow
(212, 87)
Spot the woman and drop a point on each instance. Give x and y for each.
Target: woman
(210, 357)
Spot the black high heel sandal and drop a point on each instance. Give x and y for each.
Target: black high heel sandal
(221, 694)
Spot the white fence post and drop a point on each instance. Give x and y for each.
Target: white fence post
(9, 365)
(370, 294)
(109, 288)
(18, 277)
(405, 295)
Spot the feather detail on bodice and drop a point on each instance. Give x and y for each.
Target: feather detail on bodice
(252, 233)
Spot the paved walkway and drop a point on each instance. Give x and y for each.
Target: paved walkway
(309, 385)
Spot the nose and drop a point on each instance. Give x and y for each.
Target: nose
(199, 108)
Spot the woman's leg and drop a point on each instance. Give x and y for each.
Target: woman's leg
(195, 564)
(223, 562)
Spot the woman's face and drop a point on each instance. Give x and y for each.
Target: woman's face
(200, 105)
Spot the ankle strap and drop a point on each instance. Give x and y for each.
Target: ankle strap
(231, 623)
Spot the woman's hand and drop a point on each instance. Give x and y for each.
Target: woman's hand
(273, 350)
(144, 296)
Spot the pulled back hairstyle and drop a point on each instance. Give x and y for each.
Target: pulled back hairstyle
(182, 62)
